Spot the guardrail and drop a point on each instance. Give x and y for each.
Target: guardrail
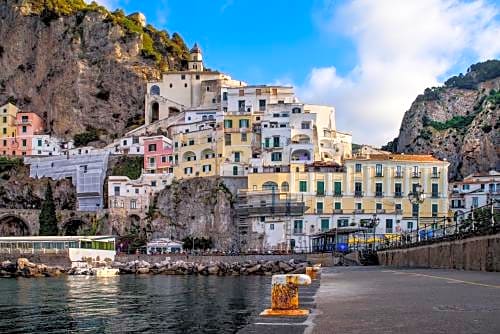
(483, 220)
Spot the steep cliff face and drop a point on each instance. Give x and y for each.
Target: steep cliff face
(198, 207)
(458, 121)
(79, 66)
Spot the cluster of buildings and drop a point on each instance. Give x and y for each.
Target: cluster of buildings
(296, 173)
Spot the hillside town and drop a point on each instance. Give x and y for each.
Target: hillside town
(294, 176)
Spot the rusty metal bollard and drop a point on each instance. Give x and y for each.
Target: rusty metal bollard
(285, 295)
(313, 271)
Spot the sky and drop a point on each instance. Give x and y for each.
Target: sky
(367, 58)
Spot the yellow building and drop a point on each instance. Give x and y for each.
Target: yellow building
(345, 195)
(8, 114)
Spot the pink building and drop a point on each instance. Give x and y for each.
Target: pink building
(158, 155)
(28, 124)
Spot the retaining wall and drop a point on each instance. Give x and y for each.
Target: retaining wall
(50, 259)
(208, 258)
(478, 253)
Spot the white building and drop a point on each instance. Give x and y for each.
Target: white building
(46, 145)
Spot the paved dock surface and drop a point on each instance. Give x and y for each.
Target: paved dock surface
(383, 300)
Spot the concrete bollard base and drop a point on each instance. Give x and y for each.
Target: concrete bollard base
(284, 313)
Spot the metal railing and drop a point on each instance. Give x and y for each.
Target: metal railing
(483, 220)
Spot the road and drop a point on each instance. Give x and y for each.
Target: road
(381, 300)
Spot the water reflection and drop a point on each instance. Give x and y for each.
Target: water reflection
(167, 304)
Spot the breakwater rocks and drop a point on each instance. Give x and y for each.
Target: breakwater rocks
(24, 268)
(213, 268)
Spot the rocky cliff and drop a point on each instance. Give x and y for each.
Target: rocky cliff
(80, 67)
(198, 207)
(458, 121)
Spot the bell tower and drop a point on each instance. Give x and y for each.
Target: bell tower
(195, 59)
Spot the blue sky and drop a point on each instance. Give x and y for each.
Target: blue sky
(368, 58)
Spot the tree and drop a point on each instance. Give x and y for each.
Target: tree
(47, 218)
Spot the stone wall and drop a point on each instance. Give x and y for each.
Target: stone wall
(479, 253)
(60, 259)
(208, 258)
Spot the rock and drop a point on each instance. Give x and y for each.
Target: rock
(144, 270)
(213, 269)
(285, 267)
(254, 269)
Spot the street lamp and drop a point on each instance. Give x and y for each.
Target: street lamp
(374, 223)
(417, 197)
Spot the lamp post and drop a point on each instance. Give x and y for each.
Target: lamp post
(374, 223)
(417, 197)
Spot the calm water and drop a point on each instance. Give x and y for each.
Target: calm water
(160, 304)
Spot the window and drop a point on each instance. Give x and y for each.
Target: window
(276, 156)
(243, 137)
(397, 206)
(337, 188)
(24, 129)
(241, 105)
(152, 147)
(188, 170)
(378, 170)
(337, 206)
(434, 171)
(357, 168)
(359, 206)
(241, 92)
(237, 156)
(399, 172)
(4, 131)
(434, 210)
(227, 139)
(228, 123)
(358, 189)
(133, 204)
(305, 125)
(117, 190)
(415, 171)
(465, 187)
(266, 142)
(137, 191)
(475, 202)
(224, 96)
(302, 186)
(207, 168)
(23, 142)
(319, 207)
(235, 170)
(325, 224)
(296, 111)
(298, 226)
(183, 77)
(378, 189)
(153, 183)
(244, 123)
(154, 90)
(285, 186)
(276, 141)
(435, 190)
(262, 105)
(271, 227)
(191, 142)
(343, 222)
(164, 159)
(414, 210)
(5, 143)
(320, 187)
(209, 139)
(409, 225)
(197, 77)
(388, 226)
(378, 206)
(4, 119)
(398, 190)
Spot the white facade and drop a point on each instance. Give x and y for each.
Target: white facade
(476, 190)
(43, 145)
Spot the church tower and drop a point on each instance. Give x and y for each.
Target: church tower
(195, 59)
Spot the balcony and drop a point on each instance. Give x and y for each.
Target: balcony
(436, 175)
(398, 175)
(338, 211)
(320, 193)
(399, 211)
(319, 211)
(379, 194)
(337, 194)
(398, 194)
(435, 195)
(379, 174)
(416, 175)
(358, 193)
(298, 231)
(381, 211)
(358, 211)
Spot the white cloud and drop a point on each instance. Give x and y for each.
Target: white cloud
(402, 48)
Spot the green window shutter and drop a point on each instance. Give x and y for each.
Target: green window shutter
(266, 142)
(338, 206)
(228, 124)
(303, 186)
(337, 188)
(325, 224)
(320, 187)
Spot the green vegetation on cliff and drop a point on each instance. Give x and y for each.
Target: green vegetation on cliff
(457, 122)
(477, 73)
(129, 166)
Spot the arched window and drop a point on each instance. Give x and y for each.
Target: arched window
(270, 185)
(204, 117)
(210, 117)
(285, 186)
(155, 90)
(155, 111)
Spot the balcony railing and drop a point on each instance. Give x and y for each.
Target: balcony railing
(399, 211)
(398, 175)
(338, 211)
(398, 194)
(380, 210)
(379, 194)
(379, 174)
(298, 231)
(358, 211)
(436, 175)
(358, 193)
(320, 193)
(416, 175)
(337, 194)
(435, 195)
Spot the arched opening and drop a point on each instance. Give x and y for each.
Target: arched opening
(301, 155)
(285, 186)
(204, 118)
(301, 139)
(207, 154)
(155, 111)
(13, 226)
(73, 226)
(189, 156)
(154, 90)
(270, 185)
